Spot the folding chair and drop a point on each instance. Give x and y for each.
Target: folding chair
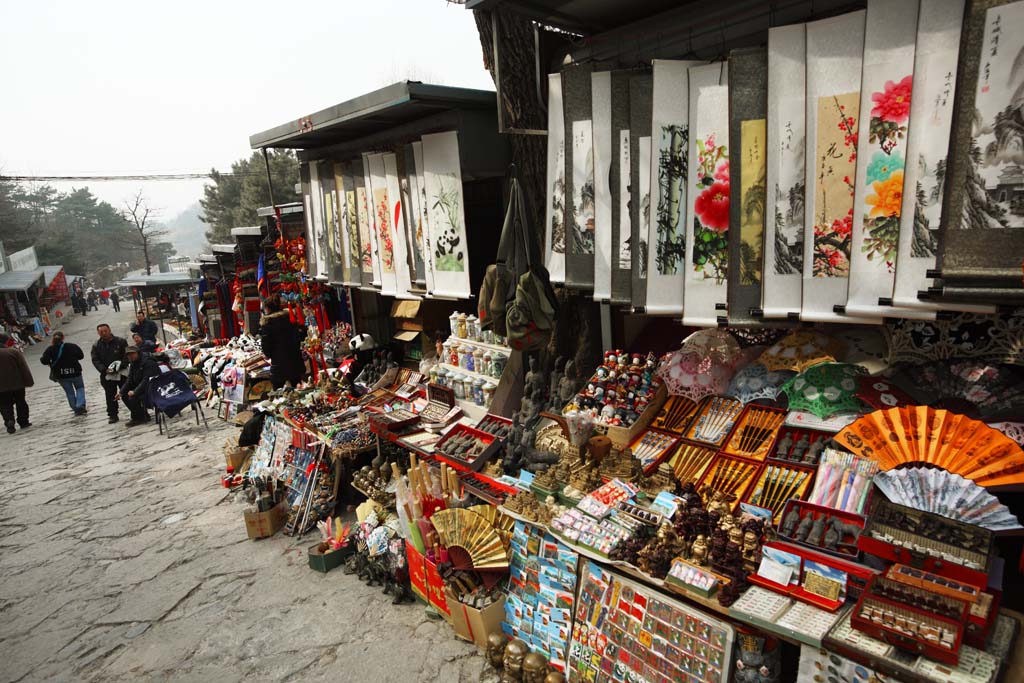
(170, 393)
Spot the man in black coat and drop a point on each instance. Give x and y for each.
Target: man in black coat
(144, 327)
(115, 301)
(280, 340)
(105, 351)
(141, 368)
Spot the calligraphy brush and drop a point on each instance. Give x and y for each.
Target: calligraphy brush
(792, 485)
(756, 433)
(689, 462)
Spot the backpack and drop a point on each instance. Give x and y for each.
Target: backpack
(516, 298)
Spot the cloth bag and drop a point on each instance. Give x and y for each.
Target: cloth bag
(516, 298)
(54, 375)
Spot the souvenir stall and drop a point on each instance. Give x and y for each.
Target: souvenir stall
(247, 254)
(208, 307)
(164, 297)
(20, 312)
(820, 478)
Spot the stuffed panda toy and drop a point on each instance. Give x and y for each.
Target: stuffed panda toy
(361, 342)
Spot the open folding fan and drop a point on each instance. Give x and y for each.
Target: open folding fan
(501, 522)
(800, 350)
(971, 386)
(470, 539)
(919, 434)
(946, 494)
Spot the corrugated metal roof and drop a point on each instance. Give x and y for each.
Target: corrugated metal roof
(50, 272)
(19, 280)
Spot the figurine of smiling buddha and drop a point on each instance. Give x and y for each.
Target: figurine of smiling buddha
(496, 643)
(535, 668)
(515, 653)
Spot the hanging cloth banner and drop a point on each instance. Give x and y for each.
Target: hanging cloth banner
(335, 271)
(707, 217)
(396, 219)
(442, 175)
(640, 111)
(981, 240)
(835, 47)
(670, 139)
(748, 91)
(371, 224)
(931, 117)
(412, 216)
(347, 194)
(784, 204)
(579, 176)
(423, 205)
(621, 261)
(381, 212)
(890, 32)
(363, 223)
(554, 212)
(601, 104)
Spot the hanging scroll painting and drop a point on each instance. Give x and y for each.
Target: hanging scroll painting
(371, 223)
(981, 240)
(579, 191)
(834, 51)
(931, 117)
(442, 176)
(785, 173)
(332, 219)
(707, 222)
(554, 213)
(423, 206)
(412, 215)
(342, 192)
(318, 236)
(307, 211)
(384, 229)
(890, 33)
(361, 205)
(621, 260)
(601, 104)
(670, 139)
(396, 217)
(640, 111)
(748, 75)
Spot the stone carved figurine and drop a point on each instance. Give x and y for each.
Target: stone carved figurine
(567, 385)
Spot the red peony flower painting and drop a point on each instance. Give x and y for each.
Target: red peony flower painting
(893, 103)
(712, 207)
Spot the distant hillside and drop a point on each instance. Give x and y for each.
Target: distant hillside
(187, 232)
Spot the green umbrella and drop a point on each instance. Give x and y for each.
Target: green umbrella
(826, 389)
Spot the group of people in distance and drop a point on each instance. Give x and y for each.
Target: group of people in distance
(125, 371)
(82, 303)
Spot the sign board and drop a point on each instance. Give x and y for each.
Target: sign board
(24, 259)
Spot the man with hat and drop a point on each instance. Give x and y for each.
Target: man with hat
(141, 368)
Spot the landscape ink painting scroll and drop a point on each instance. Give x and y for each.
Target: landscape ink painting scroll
(601, 104)
(579, 176)
(621, 261)
(785, 173)
(890, 34)
(442, 177)
(640, 106)
(554, 211)
(834, 52)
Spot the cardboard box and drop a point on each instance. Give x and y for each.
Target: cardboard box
(264, 524)
(234, 457)
(474, 624)
(426, 581)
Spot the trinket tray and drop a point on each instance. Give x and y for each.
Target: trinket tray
(779, 614)
(713, 420)
(847, 526)
(727, 479)
(685, 577)
(651, 447)
(754, 432)
(799, 445)
(495, 424)
(983, 606)
(675, 414)
(441, 407)
(937, 544)
(821, 580)
(485, 488)
(777, 485)
(464, 447)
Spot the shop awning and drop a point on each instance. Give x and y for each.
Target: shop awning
(223, 248)
(20, 280)
(290, 207)
(585, 16)
(50, 273)
(157, 280)
(247, 231)
(373, 112)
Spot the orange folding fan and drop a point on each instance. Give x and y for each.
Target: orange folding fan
(956, 443)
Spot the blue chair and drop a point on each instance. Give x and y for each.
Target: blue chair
(169, 393)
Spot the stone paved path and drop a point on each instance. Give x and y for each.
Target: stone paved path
(121, 558)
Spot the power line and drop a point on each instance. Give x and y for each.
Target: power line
(105, 178)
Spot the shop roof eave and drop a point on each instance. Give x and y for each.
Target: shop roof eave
(375, 111)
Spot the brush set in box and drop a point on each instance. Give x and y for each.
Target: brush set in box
(754, 432)
(727, 480)
(675, 414)
(777, 485)
(713, 420)
(690, 461)
(652, 447)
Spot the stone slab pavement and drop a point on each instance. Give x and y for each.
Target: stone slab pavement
(122, 559)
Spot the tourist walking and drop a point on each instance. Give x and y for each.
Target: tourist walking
(141, 368)
(144, 327)
(115, 301)
(93, 305)
(280, 341)
(107, 351)
(15, 376)
(63, 358)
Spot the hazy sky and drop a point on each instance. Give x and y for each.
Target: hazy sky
(142, 87)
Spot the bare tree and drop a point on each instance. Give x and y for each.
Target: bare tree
(139, 214)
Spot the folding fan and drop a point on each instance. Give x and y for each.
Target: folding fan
(919, 434)
(467, 534)
(501, 522)
(946, 494)
(977, 387)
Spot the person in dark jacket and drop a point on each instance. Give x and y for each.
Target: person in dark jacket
(280, 340)
(141, 368)
(15, 376)
(115, 301)
(106, 351)
(145, 346)
(144, 327)
(63, 357)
